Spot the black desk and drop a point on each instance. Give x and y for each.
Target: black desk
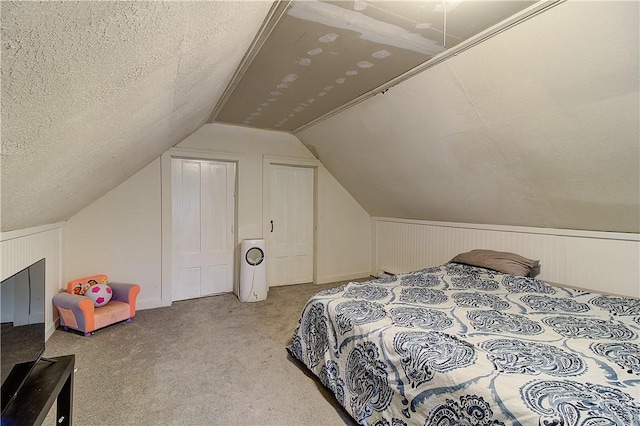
(47, 382)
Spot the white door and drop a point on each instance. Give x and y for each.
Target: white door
(290, 251)
(203, 227)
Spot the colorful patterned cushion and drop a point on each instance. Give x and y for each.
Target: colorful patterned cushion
(81, 285)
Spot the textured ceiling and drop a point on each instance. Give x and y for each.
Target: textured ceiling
(94, 91)
(321, 55)
(537, 126)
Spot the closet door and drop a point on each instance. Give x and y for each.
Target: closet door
(203, 227)
(291, 225)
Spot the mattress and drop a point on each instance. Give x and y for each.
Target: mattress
(458, 344)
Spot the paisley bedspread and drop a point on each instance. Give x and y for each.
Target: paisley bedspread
(458, 344)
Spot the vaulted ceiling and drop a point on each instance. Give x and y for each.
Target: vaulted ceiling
(537, 125)
(321, 55)
(94, 91)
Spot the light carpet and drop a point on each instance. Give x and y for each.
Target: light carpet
(207, 361)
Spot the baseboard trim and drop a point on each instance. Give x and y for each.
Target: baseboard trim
(141, 305)
(344, 277)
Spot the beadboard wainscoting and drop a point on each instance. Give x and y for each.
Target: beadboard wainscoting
(600, 261)
(21, 248)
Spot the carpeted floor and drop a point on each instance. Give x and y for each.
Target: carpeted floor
(208, 361)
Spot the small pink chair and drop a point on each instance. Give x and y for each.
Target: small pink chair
(79, 313)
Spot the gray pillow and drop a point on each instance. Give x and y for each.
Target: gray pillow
(507, 263)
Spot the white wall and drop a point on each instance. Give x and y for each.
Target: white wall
(344, 233)
(24, 247)
(600, 261)
(120, 234)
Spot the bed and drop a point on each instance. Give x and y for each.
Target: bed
(465, 345)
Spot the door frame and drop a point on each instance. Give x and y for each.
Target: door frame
(166, 285)
(267, 162)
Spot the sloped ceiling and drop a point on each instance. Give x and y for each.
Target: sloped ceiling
(94, 91)
(537, 126)
(320, 55)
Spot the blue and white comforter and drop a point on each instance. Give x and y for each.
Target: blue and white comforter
(458, 344)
